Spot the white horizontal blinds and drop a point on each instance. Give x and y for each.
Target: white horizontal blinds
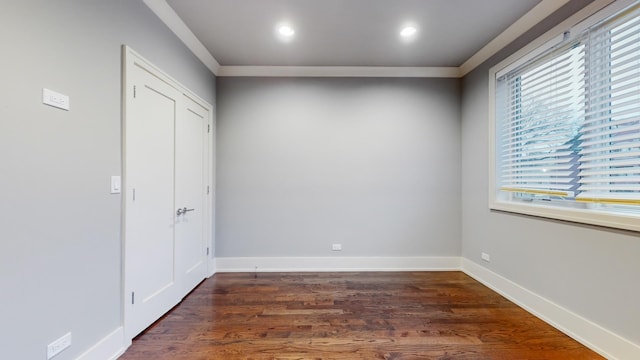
(610, 137)
(542, 110)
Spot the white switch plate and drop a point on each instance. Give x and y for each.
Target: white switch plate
(57, 346)
(336, 247)
(116, 185)
(52, 98)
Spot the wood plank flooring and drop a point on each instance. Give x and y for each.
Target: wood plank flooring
(369, 315)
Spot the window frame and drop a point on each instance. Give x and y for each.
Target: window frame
(567, 211)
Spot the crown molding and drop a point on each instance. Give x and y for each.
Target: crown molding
(339, 71)
(182, 31)
(522, 25)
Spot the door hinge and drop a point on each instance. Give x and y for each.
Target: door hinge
(134, 194)
(208, 189)
(208, 128)
(133, 297)
(207, 251)
(134, 91)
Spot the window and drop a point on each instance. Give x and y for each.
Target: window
(566, 125)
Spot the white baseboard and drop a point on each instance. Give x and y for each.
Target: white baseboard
(307, 264)
(211, 267)
(590, 334)
(109, 348)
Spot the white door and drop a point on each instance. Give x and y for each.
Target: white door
(190, 193)
(149, 201)
(166, 183)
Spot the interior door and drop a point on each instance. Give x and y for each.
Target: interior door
(190, 193)
(150, 280)
(167, 221)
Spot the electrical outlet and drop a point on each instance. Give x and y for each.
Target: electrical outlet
(336, 247)
(486, 257)
(57, 346)
(52, 98)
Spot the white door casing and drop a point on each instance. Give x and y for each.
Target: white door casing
(166, 166)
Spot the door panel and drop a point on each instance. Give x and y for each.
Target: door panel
(190, 193)
(150, 213)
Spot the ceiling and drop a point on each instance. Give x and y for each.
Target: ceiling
(345, 33)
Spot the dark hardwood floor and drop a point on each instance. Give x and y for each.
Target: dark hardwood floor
(368, 315)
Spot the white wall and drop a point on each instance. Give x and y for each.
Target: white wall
(373, 164)
(60, 244)
(590, 271)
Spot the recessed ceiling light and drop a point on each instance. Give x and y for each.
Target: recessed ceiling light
(286, 31)
(408, 31)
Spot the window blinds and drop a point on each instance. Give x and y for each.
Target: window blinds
(570, 120)
(542, 106)
(610, 135)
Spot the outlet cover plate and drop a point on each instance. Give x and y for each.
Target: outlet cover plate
(52, 98)
(57, 346)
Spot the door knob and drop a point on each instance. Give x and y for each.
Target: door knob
(184, 210)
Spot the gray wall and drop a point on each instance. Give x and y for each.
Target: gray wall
(589, 270)
(60, 237)
(373, 164)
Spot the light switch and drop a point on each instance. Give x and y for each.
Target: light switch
(116, 184)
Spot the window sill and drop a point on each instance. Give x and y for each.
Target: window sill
(583, 216)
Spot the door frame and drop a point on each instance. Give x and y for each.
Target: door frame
(131, 59)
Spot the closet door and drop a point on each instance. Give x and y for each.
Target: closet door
(150, 282)
(190, 193)
(166, 174)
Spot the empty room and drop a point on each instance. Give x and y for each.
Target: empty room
(306, 179)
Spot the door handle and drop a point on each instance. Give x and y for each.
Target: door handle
(184, 210)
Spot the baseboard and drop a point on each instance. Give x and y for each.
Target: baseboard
(211, 267)
(324, 264)
(109, 348)
(592, 335)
